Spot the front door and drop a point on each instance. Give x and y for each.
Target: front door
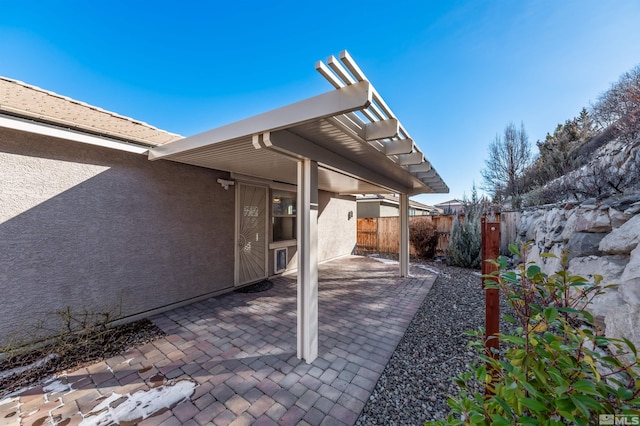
(251, 234)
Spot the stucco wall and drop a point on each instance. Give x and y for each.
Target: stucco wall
(90, 227)
(369, 209)
(389, 211)
(336, 229)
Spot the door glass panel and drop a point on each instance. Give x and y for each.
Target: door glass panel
(252, 247)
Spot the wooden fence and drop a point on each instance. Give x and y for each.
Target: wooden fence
(382, 234)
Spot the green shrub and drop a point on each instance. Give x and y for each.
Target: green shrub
(465, 240)
(423, 235)
(552, 368)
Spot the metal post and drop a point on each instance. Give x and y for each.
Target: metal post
(404, 235)
(490, 229)
(307, 260)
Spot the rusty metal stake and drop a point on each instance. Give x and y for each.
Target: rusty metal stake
(490, 230)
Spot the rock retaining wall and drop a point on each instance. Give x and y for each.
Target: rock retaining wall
(602, 237)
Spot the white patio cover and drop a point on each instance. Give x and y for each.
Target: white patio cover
(345, 141)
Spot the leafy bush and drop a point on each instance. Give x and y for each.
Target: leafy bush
(423, 235)
(465, 240)
(552, 368)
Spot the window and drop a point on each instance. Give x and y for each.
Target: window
(283, 215)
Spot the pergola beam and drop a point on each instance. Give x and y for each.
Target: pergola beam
(293, 145)
(400, 146)
(329, 104)
(417, 168)
(381, 129)
(409, 159)
(335, 65)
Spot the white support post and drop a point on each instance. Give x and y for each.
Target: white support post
(307, 216)
(404, 235)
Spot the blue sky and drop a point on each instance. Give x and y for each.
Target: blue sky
(454, 72)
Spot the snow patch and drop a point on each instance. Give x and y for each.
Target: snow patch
(395, 262)
(35, 364)
(140, 405)
(10, 400)
(54, 386)
(427, 268)
(14, 394)
(385, 261)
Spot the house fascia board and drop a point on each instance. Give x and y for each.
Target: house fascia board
(31, 126)
(335, 102)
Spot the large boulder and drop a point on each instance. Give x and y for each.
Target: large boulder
(630, 279)
(570, 224)
(611, 269)
(528, 224)
(633, 209)
(554, 226)
(623, 239)
(543, 226)
(623, 320)
(617, 218)
(548, 265)
(596, 220)
(584, 244)
(624, 202)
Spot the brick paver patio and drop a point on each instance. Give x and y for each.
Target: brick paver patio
(235, 355)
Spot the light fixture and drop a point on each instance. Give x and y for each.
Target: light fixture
(226, 183)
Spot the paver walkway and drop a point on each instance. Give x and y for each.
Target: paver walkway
(231, 359)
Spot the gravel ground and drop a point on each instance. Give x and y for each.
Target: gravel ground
(418, 379)
(72, 352)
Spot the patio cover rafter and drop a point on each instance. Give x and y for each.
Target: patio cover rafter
(327, 104)
(353, 122)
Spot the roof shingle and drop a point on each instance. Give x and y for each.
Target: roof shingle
(27, 101)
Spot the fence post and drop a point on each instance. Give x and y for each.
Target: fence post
(490, 230)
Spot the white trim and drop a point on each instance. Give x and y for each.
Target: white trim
(307, 313)
(328, 104)
(30, 126)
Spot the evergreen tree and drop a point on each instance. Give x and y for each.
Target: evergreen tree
(465, 239)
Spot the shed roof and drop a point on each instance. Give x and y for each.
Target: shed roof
(359, 144)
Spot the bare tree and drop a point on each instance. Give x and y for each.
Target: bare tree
(509, 157)
(619, 107)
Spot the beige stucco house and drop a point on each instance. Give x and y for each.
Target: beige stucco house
(88, 221)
